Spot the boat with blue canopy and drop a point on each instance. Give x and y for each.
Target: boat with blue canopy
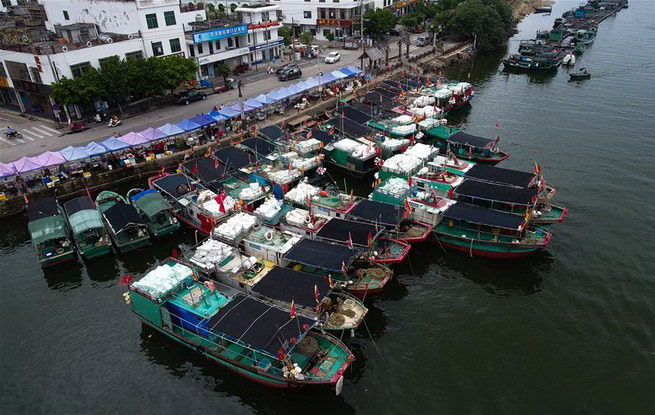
(155, 211)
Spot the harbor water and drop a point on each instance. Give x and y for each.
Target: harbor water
(570, 330)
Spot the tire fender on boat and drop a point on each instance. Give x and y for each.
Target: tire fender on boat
(268, 235)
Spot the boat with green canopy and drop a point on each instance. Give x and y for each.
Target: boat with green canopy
(126, 228)
(155, 211)
(49, 232)
(89, 233)
(451, 140)
(257, 340)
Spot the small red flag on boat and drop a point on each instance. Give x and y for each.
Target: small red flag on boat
(310, 134)
(330, 282)
(293, 312)
(221, 205)
(195, 169)
(88, 193)
(343, 267)
(497, 125)
(331, 131)
(216, 162)
(126, 279)
(350, 241)
(408, 207)
(175, 254)
(370, 238)
(316, 294)
(450, 192)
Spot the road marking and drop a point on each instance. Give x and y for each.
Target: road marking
(20, 141)
(7, 141)
(28, 137)
(49, 129)
(33, 133)
(47, 133)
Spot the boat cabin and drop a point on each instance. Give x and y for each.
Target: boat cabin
(49, 232)
(88, 231)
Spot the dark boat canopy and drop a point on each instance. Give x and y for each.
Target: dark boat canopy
(337, 230)
(78, 204)
(320, 254)
(272, 132)
(373, 111)
(483, 216)
(42, 208)
(286, 284)
(122, 215)
(233, 157)
(348, 127)
(386, 93)
(321, 135)
(496, 193)
(258, 324)
(259, 146)
(380, 100)
(465, 139)
(371, 211)
(492, 174)
(206, 170)
(176, 185)
(355, 115)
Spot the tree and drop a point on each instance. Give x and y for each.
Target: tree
(489, 20)
(413, 20)
(378, 22)
(306, 38)
(330, 36)
(223, 70)
(285, 32)
(174, 70)
(114, 83)
(82, 90)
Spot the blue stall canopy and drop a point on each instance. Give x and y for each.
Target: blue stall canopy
(339, 74)
(276, 95)
(94, 149)
(253, 103)
(71, 153)
(228, 112)
(265, 99)
(113, 143)
(170, 129)
(187, 125)
(327, 78)
(203, 120)
(237, 107)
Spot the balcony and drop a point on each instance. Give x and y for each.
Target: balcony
(53, 47)
(192, 7)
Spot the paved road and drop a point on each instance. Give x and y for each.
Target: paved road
(40, 135)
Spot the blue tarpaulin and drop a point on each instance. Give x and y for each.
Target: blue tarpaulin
(187, 125)
(237, 107)
(217, 116)
(276, 95)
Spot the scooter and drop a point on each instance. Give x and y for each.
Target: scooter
(113, 123)
(15, 134)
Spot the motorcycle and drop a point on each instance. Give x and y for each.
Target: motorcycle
(15, 134)
(114, 123)
(76, 127)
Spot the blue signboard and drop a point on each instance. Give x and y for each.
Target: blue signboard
(220, 33)
(268, 45)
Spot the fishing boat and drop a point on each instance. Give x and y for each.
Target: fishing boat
(155, 211)
(328, 202)
(359, 277)
(479, 231)
(354, 156)
(271, 211)
(394, 191)
(456, 143)
(380, 248)
(314, 296)
(302, 222)
(269, 244)
(569, 59)
(392, 218)
(586, 36)
(543, 62)
(261, 342)
(49, 232)
(450, 163)
(450, 95)
(88, 231)
(127, 230)
(580, 75)
(248, 191)
(193, 204)
(543, 9)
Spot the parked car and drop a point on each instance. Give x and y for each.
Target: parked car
(332, 57)
(189, 96)
(291, 73)
(240, 69)
(422, 41)
(283, 68)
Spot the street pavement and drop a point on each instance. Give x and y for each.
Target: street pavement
(41, 135)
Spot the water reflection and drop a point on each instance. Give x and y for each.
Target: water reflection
(182, 362)
(63, 277)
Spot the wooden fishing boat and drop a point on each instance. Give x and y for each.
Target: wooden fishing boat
(88, 231)
(449, 163)
(392, 218)
(241, 333)
(479, 231)
(580, 75)
(49, 232)
(394, 190)
(359, 277)
(126, 228)
(329, 202)
(155, 211)
(248, 191)
(542, 62)
(193, 204)
(454, 142)
(354, 156)
(302, 222)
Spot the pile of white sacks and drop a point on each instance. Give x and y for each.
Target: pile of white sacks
(252, 192)
(308, 146)
(162, 280)
(299, 193)
(300, 218)
(355, 148)
(269, 208)
(421, 151)
(207, 199)
(395, 187)
(210, 254)
(402, 164)
(393, 144)
(235, 227)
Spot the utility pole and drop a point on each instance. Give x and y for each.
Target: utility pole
(243, 114)
(293, 41)
(361, 28)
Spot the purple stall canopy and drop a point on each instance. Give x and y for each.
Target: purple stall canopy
(265, 99)
(170, 129)
(7, 169)
(134, 139)
(152, 134)
(237, 107)
(50, 158)
(25, 164)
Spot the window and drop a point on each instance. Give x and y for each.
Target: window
(151, 21)
(102, 61)
(211, 47)
(218, 45)
(66, 17)
(134, 55)
(322, 13)
(169, 18)
(321, 1)
(157, 49)
(335, 1)
(307, 15)
(200, 49)
(80, 69)
(230, 43)
(192, 51)
(36, 75)
(175, 45)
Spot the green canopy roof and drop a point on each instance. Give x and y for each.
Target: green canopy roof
(84, 220)
(443, 131)
(45, 229)
(152, 203)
